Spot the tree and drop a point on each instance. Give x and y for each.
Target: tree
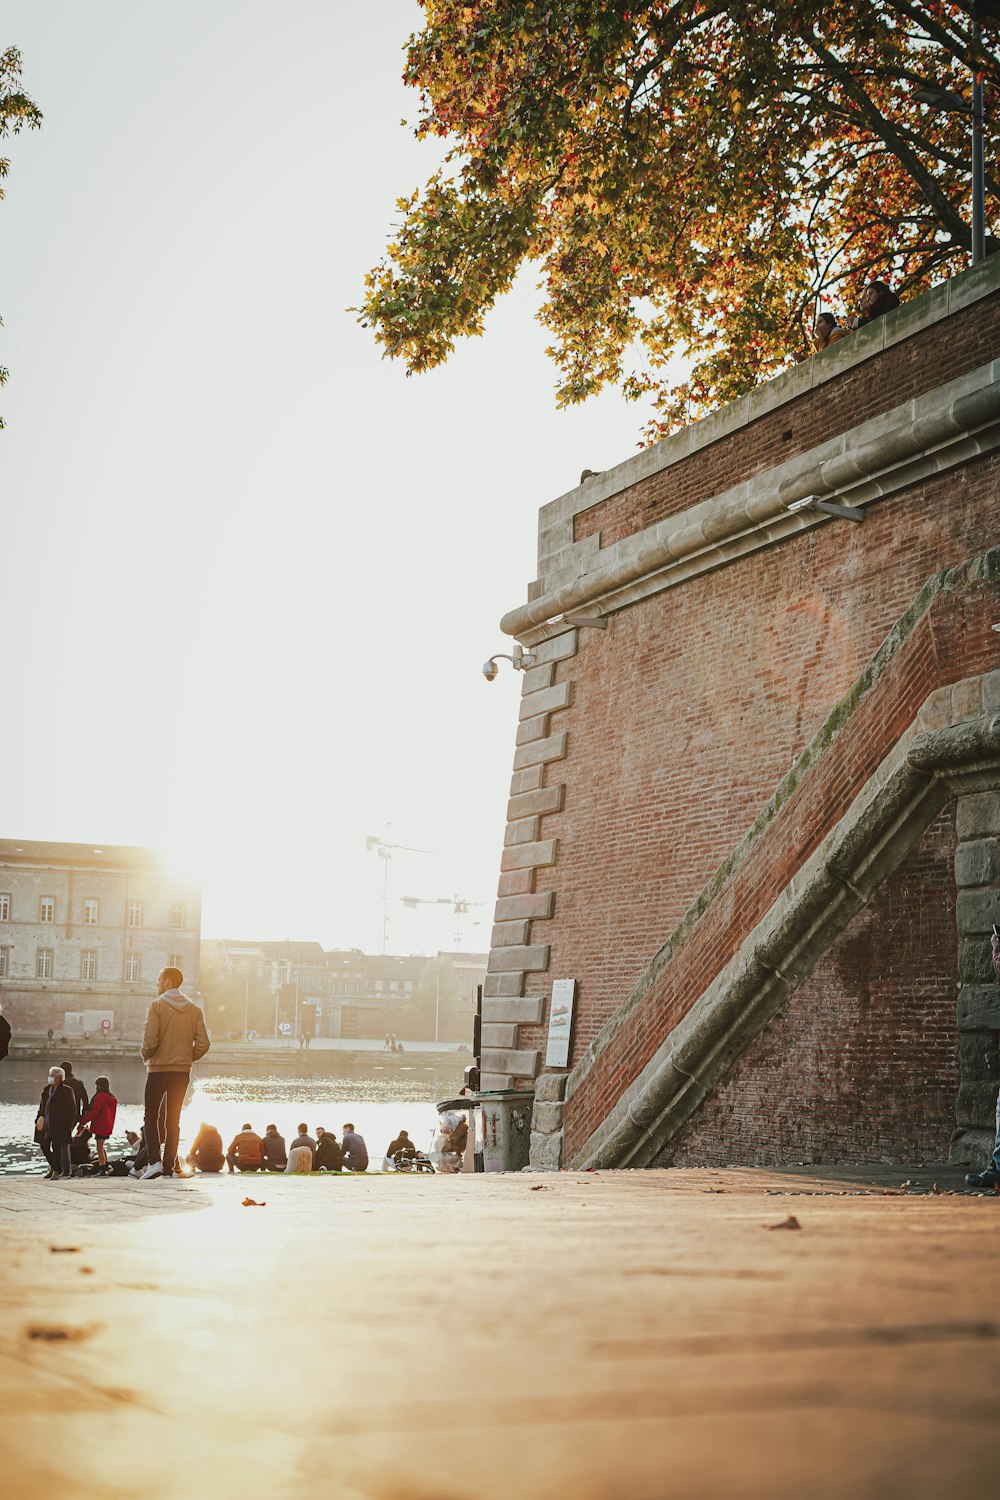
(693, 178)
(17, 111)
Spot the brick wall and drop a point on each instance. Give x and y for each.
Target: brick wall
(927, 359)
(862, 1064)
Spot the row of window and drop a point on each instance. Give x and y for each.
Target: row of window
(45, 957)
(47, 911)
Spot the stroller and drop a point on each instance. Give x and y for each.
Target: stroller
(448, 1150)
(404, 1161)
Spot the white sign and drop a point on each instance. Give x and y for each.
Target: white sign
(106, 1026)
(285, 1028)
(560, 1023)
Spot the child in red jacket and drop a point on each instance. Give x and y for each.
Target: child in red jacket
(101, 1119)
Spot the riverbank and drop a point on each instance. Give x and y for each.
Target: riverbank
(638, 1334)
(264, 1049)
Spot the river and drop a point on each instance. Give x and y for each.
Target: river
(329, 1089)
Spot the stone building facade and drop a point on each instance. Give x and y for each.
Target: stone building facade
(733, 809)
(84, 931)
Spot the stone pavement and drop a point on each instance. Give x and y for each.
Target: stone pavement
(621, 1336)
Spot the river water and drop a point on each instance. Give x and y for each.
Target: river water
(328, 1089)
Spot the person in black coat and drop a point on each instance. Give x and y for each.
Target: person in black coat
(4, 1035)
(328, 1152)
(57, 1117)
(79, 1091)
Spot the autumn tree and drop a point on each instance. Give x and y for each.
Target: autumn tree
(694, 178)
(17, 111)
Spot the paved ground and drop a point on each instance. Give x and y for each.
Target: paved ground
(623, 1336)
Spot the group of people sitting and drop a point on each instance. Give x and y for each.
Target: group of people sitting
(876, 301)
(250, 1152)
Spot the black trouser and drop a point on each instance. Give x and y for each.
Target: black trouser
(171, 1088)
(244, 1166)
(47, 1147)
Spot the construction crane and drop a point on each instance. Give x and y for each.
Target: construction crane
(385, 852)
(458, 904)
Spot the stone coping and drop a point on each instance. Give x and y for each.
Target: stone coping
(912, 317)
(922, 436)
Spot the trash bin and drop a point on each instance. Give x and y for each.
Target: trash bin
(503, 1129)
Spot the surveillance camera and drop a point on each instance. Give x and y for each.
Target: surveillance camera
(490, 669)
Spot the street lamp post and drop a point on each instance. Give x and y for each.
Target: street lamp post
(936, 97)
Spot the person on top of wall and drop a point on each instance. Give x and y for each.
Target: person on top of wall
(876, 301)
(275, 1155)
(827, 331)
(246, 1153)
(206, 1154)
(329, 1157)
(989, 1180)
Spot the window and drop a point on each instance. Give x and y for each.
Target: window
(174, 961)
(4, 962)
(43, 963)
(47, 909)
(90, 913)
(177, 916)
(132, 963)
(135, 914)
(88, 964)
(4, 906)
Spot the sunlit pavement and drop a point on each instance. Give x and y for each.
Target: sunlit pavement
(646, 1334)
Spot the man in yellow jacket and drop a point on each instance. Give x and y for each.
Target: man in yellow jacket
(173, 1038)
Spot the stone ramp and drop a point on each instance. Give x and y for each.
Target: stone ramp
(594, 1335)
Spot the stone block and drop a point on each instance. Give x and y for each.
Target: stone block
(935, 711)
(979, 1008)
(971, 1148)
(966, 700)
(975, 961)
(497, 1035)
(524, 1010)
(976, 1106)
(490, 1082)
(976, 911)
(533, 729)
(522, 831)
(978, 1057)
(508, 934)
(547, 799)
(528, 959)
(529, 856)
(556, 648)
(548, 701)
(551, 1087)
(516, 908)
(536, 678)
(547, 1118)
(978, 816)
(517, 1064)
(545, 1152)
(991, 693)
(502, 987)
(976, 863)
(528, 780)
(540, 752)
(516, 883)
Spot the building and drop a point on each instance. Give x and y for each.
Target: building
(85, 930)
(340, 993)
(754, 817)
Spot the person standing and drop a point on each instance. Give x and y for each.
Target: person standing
(77, 1087)
(58, 1113)
(4, 1035)
(354, 1149)
(173, 1038)
(100, 1116)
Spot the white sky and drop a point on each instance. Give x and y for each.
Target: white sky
(249, 570)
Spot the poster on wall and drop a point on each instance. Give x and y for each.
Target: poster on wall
(560, 1023)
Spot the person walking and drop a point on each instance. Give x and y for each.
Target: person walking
(173, 1038)
(354, 1149)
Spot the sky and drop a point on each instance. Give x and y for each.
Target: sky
(250, 571)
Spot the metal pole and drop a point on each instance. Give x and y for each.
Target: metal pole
(978, 155)
(437, 995)
(296, 994)
(246, 1004)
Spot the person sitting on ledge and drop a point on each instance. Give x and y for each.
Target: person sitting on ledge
(206, 1154)
(354, 1149)
(275, 1155)
(246, 1154)
(329, 1157)
(876, 301)
(827, 331)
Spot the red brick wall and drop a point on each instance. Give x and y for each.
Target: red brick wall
(862, 1064)
(689, 710)
(969, 338)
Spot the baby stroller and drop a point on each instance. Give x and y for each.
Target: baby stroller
(405, 1161)
(448, 1150)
